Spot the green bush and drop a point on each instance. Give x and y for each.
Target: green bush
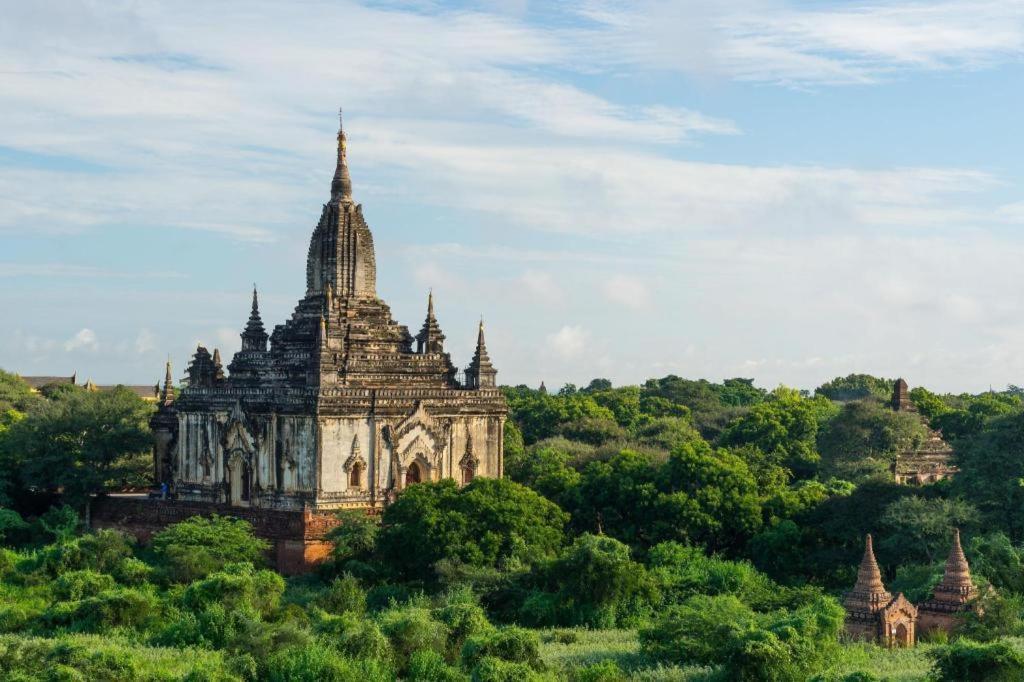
(13, 529)
(102, 551)
(236, 587)
(779, 645)
(343, 595)
(318, 663)
(512, 644)
(199, 546)
(411, 629)
(430, 666)
(118, 607)
(698, 631)
(76, 585)
(967, 661)
(605, 671)
(360, 638)
(462, 622)
(497, 670)
(132, 571)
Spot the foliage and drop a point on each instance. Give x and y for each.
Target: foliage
(965, 660)
(81, 443)
(856, 387)
(490, 522)
(198, 546)
(992, 467)
(784, 427)
(920, 528)
(594, 583)
(864, 438)
(721, 630)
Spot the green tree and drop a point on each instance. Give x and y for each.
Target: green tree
(863, 440)
(489, 523)
(856, 387)
(991, 471)
(16, 394)
(785, 428)
(199, 546)
(81, 443)
(918, 529)
(598, 584)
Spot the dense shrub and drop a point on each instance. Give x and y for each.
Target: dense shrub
(411, 629)
(239, 587)
(513, 644)
(76, 585)
(318, 663)
(117, 607)
(779, 645)
(199, 546)
(596, 583)
(343, 595)
(490, 522)
(430, 666)
(969, 661)
(498, 670)
(102, 551)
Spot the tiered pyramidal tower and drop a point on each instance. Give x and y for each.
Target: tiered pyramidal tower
(334, 408)
(872, 613)
(953, 596)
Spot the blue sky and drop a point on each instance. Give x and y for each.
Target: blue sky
(788, 191)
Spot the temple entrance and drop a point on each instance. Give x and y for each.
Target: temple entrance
(901, 637)
(413, 474)
(467, 474)
(240, 480)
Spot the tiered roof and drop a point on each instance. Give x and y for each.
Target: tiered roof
(868, 594)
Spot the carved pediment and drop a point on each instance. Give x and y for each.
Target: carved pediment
(355, 458)
(238, 442)
(469, 459)
(899, 608)
(419, 434)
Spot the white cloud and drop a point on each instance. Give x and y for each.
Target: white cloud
(84, 339)
(569, 342)
(542, 287)
(145, 342)
(782, 41)
(627, 291)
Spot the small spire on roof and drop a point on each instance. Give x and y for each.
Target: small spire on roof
(167, 395)
(341, 185)
(431, 338)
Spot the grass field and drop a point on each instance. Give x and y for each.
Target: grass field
(570, 649)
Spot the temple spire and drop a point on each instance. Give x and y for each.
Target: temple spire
(431, 338)
(481, 373)
(341, 185)
(868, 594)
(167, 395)
(254, 337)
(956, 584)
(869, 578)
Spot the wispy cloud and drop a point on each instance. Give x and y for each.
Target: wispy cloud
(786, 42)
(84, 339)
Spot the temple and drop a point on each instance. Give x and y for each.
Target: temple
(334, 408)
(874, 615)
(954, 596)
(927, 462)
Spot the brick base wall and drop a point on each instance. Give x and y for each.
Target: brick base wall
(298, 538)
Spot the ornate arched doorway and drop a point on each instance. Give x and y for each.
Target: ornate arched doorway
(901, 637)
(413, 474)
